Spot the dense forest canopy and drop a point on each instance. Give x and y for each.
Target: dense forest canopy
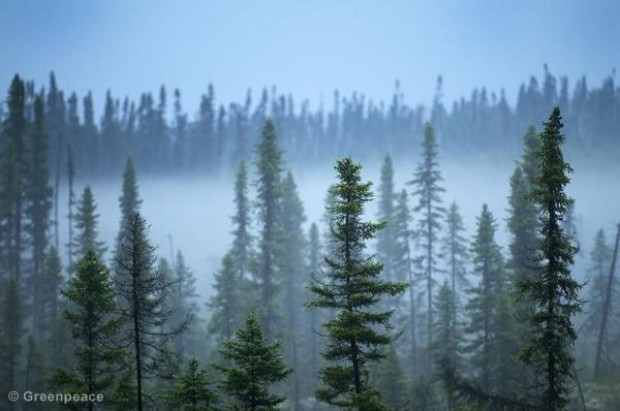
(389, 301)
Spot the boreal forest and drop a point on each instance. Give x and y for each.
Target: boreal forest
(280, 253)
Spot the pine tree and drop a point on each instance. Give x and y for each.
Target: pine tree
(242, 243)
(385, 237)
(353, 290)
(38, 207)
(554, 291)
(256, 364)
(227, 304)
(94, 324)
(142, 293)
(293, 269)
(483, 303)
(191, 391)
(426, 186)
(267, 275)
(129, 200)
(86, 226)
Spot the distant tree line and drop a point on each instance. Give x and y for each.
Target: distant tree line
(162, 136)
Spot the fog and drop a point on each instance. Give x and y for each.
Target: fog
(194, 212)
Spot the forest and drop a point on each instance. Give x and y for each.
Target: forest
(382, 293)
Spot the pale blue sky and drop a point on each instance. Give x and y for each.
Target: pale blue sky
(307, 48)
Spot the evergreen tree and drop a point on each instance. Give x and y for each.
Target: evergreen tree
(38, 207)
(455, 248)
(293, 268)
(11, 332)
(267, 275)
(191, 391)
(242, 243)
(554, 291)
(129, 200)
(256, 364)
(86, 226)
(483, 303)
(353, 290)
(385, 237)
(447, 346)
(185, 308)
(52, 327)
(142, 293)
(314, 266)
(390, 380)
(94, 324)
(426, 187)
(227, 304)
(70, 205)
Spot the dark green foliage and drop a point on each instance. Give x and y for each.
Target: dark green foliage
(390, 380)
(255, 365)
(11, 332)
(87, 234)
(94, 324)
(426, 188)
(142, 292)
(554, 291)
(455, 248)
(185, 308)
(447, 345)
(129, 200)
(352, 290)
(242, 242)
(267, 273)
(191, 391)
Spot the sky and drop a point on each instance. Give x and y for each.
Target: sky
(307, 48)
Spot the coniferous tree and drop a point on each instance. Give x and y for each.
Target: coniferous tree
(390, 380)
(142, 293)
(37, 208)
(70, 205)
(191, 391)
(87, 234)
(455, 248)
(185, 307)
(483, 304)
(447, 345)
(314, 266)
(426, 187)
(129, 200)
(267, 275)
(554, 291)
(11, 332)
(255, 365)
(227, 304)
(93, 322)
(385, 237)
(242, 243)
(293, 267)
(353, 290)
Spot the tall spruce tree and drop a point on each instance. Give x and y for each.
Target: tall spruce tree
(254, 365)
(426, 188)
(483, 303)
(447, 347)
(70, 205)
(38, 207)
(267, 275)
(385, 237)
(227, 305)
(85, 219)
(141, 292)
(353, 290)
(94, 323)
(293, 270)
(554, 290)
(242, 242)
(129, 200)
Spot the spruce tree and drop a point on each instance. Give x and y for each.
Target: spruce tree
(554, 291)
(390, 379)
(86, 236)
(385, 237)
(255, 364)
(227, 305)
(191, 391)
(38, 207)
(293, 267)
(267, 275)
(447, 347)
(427, 178)
(352, 289)
(94, 323)
(129, 200)
(185, 307)
(314, 265)
(142, 292)
(242, 242)
(482, 305)
(70, 205)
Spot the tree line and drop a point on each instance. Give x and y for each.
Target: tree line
(164, 137)
(426, 317)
